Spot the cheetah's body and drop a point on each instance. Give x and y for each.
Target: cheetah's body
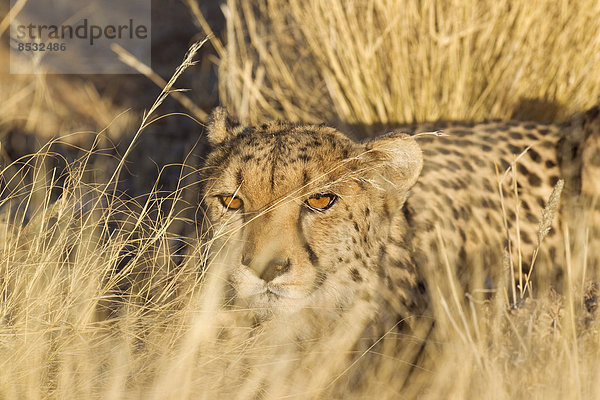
(373, 243)
(458, 194)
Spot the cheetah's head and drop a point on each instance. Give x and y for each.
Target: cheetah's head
(303, 212)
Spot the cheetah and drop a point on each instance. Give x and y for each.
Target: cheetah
(314, 222)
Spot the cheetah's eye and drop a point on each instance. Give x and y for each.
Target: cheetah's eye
(231, 202)
(321, 201)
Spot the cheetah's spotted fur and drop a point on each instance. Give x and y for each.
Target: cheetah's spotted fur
(397, 201)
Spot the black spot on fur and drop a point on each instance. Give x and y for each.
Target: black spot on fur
(534, 155)
(479, 161)
(541, 202)
(534, 180)
(461, 132)
(487, 185)
(514, 149)
(553, 180)
(463, 142)
(522, 169)
(516, 135)
(531, 218)
(511, 215)
(550, 164)
(452, 165)
(525, 237)
(490, 139)
(356, 275)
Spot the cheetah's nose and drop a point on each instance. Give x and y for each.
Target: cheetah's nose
(269, 270)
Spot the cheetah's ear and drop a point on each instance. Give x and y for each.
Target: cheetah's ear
(220, 126)
(397, 160)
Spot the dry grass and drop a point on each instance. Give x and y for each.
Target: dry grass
(96, 303)
(393, 61)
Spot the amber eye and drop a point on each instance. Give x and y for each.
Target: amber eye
(231, 202)
(321, 201)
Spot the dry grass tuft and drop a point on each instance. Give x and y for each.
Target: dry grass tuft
(367, 62)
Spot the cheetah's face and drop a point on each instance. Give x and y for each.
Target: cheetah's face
(302, 211)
